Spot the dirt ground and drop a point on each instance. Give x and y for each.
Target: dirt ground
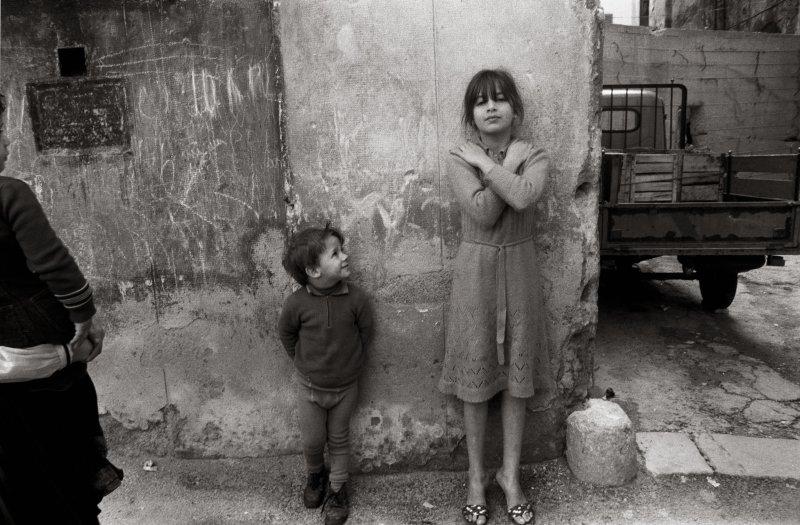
(673, 366)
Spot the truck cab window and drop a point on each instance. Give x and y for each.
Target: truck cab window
(619, 120)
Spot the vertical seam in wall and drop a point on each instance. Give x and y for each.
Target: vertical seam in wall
(439, 180)
(290, 219)
(438, 142)
(592, 162)
(172, 431)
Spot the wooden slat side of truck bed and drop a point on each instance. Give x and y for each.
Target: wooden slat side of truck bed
(674, 176)
(687, 203)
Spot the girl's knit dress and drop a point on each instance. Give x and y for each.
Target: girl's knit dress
(493, 335)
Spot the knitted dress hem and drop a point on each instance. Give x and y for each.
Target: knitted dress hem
(471, 396)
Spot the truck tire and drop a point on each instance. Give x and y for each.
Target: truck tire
(717, 288)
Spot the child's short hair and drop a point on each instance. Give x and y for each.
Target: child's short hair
(304, 250)
(486, 83)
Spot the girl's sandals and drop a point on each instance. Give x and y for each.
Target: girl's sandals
(522, 514)
(517, 514)
(471, 513)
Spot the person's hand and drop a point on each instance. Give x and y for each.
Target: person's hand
(517, 153)
(91, 332)
(82, 351)
(473, 155)
(81, 332)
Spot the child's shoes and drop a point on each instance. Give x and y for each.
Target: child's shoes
(336, 507)
(315, 489)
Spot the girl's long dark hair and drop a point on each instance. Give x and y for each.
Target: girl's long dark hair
(486, 84)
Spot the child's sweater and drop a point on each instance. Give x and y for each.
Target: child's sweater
(327, 333)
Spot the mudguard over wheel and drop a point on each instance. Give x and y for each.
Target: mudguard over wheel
(718, 288)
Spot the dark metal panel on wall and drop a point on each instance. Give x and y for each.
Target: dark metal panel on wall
(81, 115)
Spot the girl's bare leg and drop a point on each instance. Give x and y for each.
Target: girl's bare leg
(475, 427)
(513, 424)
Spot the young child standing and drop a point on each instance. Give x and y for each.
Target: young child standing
(325, 327)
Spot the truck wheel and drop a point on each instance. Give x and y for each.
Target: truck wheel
(717, 288)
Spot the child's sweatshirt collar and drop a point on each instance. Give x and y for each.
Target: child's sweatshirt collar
(338, 289)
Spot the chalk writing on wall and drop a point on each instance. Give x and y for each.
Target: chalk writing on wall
(79, 115)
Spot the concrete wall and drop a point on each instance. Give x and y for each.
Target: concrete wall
(767, 16)
(182, 232)
(742, 87)
(373, 94)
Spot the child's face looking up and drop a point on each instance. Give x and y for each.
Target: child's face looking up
(493, 115)
(332, 267)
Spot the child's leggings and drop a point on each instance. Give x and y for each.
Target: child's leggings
(325, 416)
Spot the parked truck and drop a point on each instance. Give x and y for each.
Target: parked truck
(720, 213)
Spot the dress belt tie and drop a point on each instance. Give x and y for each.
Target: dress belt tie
(502, 299)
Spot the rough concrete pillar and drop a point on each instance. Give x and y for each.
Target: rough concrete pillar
(373, 94)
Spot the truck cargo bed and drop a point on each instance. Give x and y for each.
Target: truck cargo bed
(685, 203)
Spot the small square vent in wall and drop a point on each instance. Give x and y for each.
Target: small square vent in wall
(72, 61)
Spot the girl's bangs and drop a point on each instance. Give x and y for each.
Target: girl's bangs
(487, 87)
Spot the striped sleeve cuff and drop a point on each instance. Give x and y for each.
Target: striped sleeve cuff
(67, 355)
(77, 299)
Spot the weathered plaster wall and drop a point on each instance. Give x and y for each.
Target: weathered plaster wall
(182, 233)
(373, 92)
(179, 235)
(767, 16)
(742, 87)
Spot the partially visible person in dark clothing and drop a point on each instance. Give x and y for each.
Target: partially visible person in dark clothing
(53, 466)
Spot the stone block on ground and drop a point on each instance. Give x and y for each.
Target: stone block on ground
(753, 457)
(601, 446)
(671, 453)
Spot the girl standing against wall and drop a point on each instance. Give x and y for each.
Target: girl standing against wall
(493, 342)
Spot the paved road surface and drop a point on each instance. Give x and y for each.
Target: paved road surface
(676, 367)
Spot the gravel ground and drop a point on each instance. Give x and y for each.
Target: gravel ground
(268, 491)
